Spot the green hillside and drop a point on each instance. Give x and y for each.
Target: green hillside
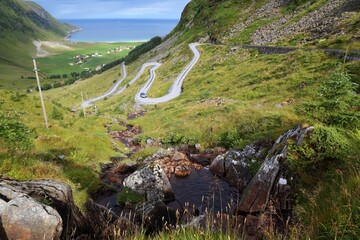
(234, 96)
(21, 23)
(29, 18)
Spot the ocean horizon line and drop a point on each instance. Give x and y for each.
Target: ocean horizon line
(155, 19)
(118, 30)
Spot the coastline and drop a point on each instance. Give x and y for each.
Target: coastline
(68, 39)
(68, 36)
(116, 30)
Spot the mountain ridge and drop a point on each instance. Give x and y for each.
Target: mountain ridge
(29, 18)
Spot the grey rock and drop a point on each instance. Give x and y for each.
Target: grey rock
(152, 182)
(151, 142)
(24, 218)
(59, 196)
(235, 166)
(161, 153)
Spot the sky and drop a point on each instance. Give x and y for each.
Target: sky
(126, 9)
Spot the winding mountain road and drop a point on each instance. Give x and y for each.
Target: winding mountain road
(174, 91)
(109, 93)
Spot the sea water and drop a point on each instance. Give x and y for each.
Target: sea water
(119, 30)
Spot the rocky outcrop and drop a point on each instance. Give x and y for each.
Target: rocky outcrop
(24, 218)
(235, 165)
(59, 210)
(152, 182)
(271, 181)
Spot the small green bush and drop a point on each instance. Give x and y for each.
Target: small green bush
(175, 138)
(14, 134)
(127, 195)
(144, 153)
(336, 102)
(56, 114)
(325, 146)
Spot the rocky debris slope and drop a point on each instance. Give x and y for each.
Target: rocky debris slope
(323, 21)
(269, 10)
(319, 23)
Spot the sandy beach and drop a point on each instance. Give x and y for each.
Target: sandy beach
(40, 52)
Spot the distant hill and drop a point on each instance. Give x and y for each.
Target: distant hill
(28, 19)
(21, 22)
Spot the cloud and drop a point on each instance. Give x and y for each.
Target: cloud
(114, 8)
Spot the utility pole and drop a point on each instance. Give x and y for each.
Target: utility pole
(41, 97)
(82, 103)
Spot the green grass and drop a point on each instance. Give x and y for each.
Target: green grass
(16, 61)
(83, 143)
(59, 63)
(241, 81)
(338, 190)
(70, 96)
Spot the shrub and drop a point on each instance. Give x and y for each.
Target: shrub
(175, 138)
(325, 146)
(127, 195)
(56, 114)
(17, 97)
(14, 134)
(336, 102)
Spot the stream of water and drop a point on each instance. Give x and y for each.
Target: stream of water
(203, 190)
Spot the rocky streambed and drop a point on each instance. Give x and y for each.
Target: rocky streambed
(176, 186)
(175, 181)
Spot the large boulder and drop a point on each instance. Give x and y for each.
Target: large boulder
(235, 165)
(56, 194)
(24, 218)
(152, 182)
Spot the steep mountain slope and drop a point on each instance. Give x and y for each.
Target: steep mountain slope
(28, 18)
(22, 22)
(292, 22)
